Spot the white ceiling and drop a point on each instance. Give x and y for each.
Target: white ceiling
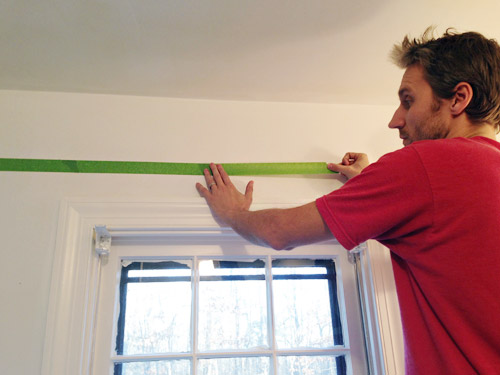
(266, 50)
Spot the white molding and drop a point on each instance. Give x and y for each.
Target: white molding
(384, 315)
(72, 295)
(74, 292)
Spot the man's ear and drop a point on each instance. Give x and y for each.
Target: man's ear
(461, 98)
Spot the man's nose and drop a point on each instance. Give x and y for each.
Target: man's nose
(398, 120)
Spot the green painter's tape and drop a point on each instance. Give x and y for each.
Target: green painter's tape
(133, 167)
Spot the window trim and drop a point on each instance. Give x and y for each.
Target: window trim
(74, 287)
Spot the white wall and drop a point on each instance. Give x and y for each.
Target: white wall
(101, 127)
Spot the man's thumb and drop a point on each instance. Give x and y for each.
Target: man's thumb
(336, 167)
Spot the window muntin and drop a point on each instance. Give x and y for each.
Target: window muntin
(249, 314)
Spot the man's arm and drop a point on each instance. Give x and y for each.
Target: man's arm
(276, 228)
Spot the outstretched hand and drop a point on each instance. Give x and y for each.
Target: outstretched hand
(222, 196)
(351, 165)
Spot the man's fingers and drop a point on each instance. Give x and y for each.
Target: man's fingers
(215, 177)
(335, 167)
(202, 190)
(351, 165)
(224, 175)
(345, 170)
(216, 174)
(351, 157)
(249, 190)
(346, 160)
(208, 176)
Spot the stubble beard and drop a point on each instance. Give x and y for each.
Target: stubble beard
(430, 128)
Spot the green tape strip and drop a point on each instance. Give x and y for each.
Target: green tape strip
(133, 167)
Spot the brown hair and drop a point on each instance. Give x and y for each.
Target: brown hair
(454, 58)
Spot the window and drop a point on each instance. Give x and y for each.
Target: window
(84, 299)
(252, 315)
(218, 305)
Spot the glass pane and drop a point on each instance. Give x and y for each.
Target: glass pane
(159, 273)
(157, 315)
(176, 367)
(231, 268)
(302, 303)
(311, 365)
(299, 271)
(233, 307)
(235, 366)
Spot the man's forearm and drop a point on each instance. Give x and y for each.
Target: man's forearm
(280, 229)
(260, 227)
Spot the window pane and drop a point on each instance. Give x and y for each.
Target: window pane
(302, 314)
(156, 314)
(159, 273)
(232, 268)
(311, 365)
(176, 367)
(232, 308)
(299, 270)
(303, 303)
(233, 366)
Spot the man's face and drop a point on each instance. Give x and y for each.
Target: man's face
(419, 115)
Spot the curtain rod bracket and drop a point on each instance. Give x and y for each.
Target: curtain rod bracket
(102, 240)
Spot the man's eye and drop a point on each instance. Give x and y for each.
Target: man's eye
(407, 102)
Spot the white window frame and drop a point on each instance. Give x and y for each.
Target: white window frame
(200, 246)
(74, 288)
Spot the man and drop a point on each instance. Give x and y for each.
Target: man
(435, 204)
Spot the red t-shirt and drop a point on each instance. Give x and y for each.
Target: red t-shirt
(436, 206)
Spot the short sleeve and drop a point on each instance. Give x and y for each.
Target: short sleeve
(390, 199)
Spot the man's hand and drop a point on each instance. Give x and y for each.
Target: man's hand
(352, 164)
(276, 228)
(222, 196)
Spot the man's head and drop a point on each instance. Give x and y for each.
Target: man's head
(449, 62)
